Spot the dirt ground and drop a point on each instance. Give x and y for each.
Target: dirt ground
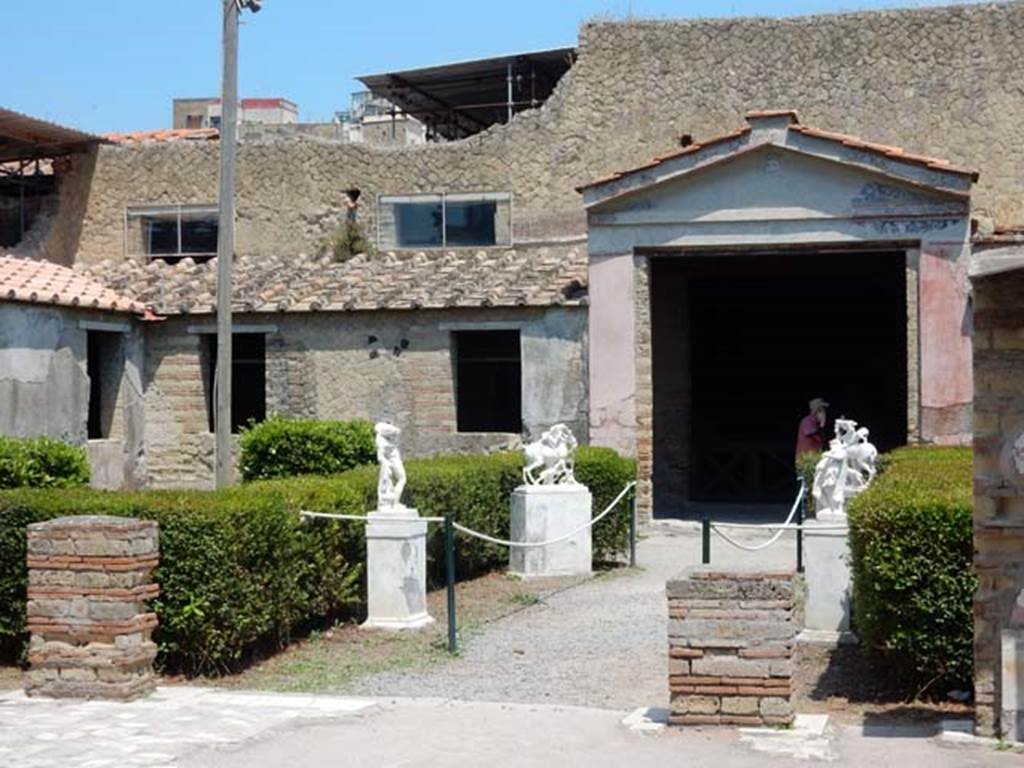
(842, 683)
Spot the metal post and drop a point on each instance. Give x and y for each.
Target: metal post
(508, 82)
(449, 567)
(800, 529)
(705, 539)
(632, 528)
(226, 242)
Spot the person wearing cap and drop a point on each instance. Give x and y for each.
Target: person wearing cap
(810, 435)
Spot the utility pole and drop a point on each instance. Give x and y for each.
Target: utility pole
(226, 235)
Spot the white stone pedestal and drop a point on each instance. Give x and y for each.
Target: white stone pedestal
(396, 571)
(545, 512)
(827, 576)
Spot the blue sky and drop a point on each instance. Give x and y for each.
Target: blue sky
(114, 65)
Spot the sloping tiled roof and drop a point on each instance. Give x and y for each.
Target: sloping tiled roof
(43, 282)
(165, 135)
(895, 153)
(538, 277)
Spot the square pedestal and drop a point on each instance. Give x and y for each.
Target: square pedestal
(827, 574)
(396, 572)
(545, 512)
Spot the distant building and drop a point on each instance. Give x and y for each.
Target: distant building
(375, 120)
(205, 112)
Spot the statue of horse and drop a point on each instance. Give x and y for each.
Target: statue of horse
(555, 452)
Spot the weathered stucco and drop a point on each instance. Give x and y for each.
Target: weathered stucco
(325, 365)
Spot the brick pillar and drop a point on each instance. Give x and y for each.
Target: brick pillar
(88, 583)
(731, 636)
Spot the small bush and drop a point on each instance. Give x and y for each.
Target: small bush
(911, 541)
(41, 462)
(239, 571)
(283, 447)
(805, 465)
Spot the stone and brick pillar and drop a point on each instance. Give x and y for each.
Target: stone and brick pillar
(731, 636)
(88, 583)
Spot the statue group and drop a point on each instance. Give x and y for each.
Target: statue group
(845, 469)
(554, 455)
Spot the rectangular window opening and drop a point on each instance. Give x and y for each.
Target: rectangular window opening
(248, 379)
(488, 381)
(445, 221)
(172, 233)
(104, 365)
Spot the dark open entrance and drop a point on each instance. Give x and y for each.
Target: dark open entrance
(741, 343)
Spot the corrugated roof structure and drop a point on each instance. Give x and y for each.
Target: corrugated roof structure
(23, 137)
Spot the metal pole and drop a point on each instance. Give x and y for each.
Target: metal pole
(705, 539)
(632, 528)
(800, 530)
(508, 82)
(226, 242)
(449, 558)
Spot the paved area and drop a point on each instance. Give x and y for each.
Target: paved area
(601, 644)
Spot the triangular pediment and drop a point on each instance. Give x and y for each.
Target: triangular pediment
(770, 181)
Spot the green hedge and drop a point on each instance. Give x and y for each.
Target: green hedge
(284, 447)
(41, 462)
(238, 570)
(911, 541)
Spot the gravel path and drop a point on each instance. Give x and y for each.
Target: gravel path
(600, 644)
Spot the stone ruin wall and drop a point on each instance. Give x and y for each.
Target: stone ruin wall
(941, 81)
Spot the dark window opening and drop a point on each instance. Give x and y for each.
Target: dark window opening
(488, 381)
(173, 233)
(470, 223)
(21, 200)
(104, 364)
(419, 224)
(248, 379)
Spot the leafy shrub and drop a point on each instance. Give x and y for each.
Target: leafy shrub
(238, 570)
(805, 464)
(911, 540)
(41, 462)
(284, 447)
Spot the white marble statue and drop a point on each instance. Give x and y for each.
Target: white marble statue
(391, 480)
(555, 451)
(845, 469)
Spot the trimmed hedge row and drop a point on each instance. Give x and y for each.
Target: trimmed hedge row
(912, 546)
(238, 570)
(285, 447)
(41, 462)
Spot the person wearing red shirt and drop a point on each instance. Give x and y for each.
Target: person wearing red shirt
(810, 435)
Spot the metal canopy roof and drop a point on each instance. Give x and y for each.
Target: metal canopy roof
(460, 99)
(24, 138)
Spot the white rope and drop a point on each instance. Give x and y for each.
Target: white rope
(527, 544)
(773, 539)
(373, 518)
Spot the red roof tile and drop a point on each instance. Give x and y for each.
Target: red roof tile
(43, 282)
(164, 135)
(795, 124)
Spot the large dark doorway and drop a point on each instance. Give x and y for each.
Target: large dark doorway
(741, 343)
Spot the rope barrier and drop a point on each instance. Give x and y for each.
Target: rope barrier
(373, 518)
(773, 539)
(528, 544)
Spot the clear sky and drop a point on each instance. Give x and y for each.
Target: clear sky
(115, 65)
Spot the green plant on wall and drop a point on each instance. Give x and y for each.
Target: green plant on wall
(345, 241)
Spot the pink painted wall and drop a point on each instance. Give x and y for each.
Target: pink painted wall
(945, 323)
(611, 339)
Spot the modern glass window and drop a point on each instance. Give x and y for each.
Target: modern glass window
(444, 221)
(488, 381)
(171, 232)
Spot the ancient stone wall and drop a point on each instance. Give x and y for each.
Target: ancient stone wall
(998, 489)
(940, 81)
(88, 583)
(731, 636)
(355, 365)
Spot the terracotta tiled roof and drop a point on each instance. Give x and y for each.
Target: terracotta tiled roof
(164, 135)
(43, 282)
(538, 277)
(795, 124)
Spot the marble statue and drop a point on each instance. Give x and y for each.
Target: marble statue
(845, 469)
(391, 480)
(555, 451)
